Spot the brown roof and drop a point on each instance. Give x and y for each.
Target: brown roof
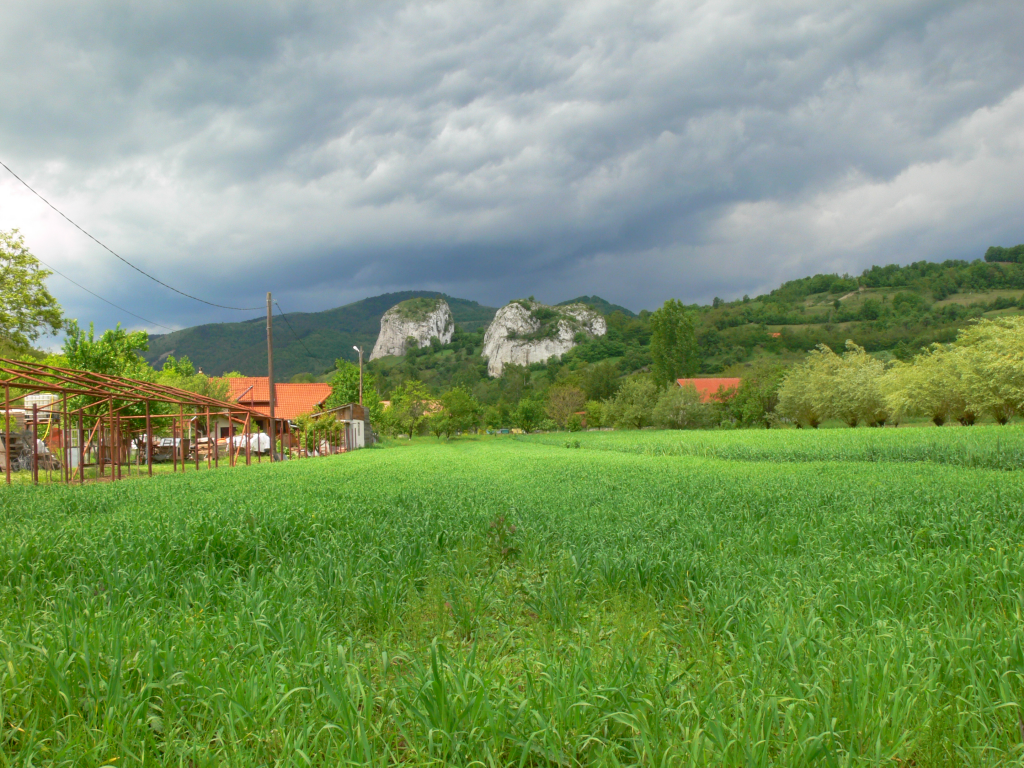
(708, 388)
(292, 400)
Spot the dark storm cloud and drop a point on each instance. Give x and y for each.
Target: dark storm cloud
(639, 151)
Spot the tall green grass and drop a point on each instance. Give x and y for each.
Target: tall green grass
(983, 446)
(512, 603)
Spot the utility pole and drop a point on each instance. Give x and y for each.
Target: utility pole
(360, 351)
(270, 378)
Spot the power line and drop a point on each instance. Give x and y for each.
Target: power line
(285, 318)
(140, 317)
(141, 272)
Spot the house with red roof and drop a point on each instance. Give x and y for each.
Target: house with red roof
(290, 402)
(720, 389)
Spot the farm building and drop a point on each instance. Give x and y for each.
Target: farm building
(292, 401)
(712, 389)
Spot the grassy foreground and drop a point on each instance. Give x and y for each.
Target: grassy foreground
(514, 602)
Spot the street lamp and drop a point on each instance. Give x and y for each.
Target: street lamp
(360, 351)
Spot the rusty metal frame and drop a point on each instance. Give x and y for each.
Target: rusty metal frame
(31, 378)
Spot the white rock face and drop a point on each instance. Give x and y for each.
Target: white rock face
(405, 320)
(517, 335)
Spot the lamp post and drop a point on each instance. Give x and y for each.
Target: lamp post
(360, 351)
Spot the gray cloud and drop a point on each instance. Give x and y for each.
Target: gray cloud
(639, 151)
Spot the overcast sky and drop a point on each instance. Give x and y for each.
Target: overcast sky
(639, 151)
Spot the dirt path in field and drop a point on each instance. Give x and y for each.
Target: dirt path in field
(852, 293)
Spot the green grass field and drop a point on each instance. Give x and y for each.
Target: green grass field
(850, 597)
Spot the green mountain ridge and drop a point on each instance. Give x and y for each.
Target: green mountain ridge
(598, 304)
(311, 341)
(303, 341)
(896, 308)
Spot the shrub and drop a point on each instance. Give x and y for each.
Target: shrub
(633, 406)
(681, 408)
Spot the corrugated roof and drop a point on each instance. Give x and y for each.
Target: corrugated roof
(708, 388)
(292, 400)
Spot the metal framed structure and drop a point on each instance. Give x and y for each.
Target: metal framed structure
(110, 413)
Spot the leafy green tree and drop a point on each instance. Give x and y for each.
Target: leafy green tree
(848, 387)
(929, 386)
(857, 387)
(181, 373)
(26, 307)
(756, 398)
(461, 410)
(515, 380)
(675, 353)
(999, 253)
(633, 405)
(115, 353)
(681, 408)
(440, 424)
(345, 389)
(409, 406)
(601, 380)
(498, 416)
(798, 400)
(595, 413)
(564, 402)
(990, 355)
(528, 414)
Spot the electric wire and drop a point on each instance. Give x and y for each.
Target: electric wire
(110, 250)
(285, 318)
(93, 293)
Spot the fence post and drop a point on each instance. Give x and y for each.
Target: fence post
(81, 447)
(7, 434)
(210, 436)
(65, 441)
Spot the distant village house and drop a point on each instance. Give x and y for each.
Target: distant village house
(290, 402)
(712, 389)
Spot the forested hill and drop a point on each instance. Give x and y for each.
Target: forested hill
(598, 305)
(896, 308)
(325, 336)
(892, 311)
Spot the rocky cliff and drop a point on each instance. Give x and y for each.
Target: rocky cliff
(525, 332)
(418, 319)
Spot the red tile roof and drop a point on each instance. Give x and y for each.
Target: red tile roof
(292, 400)
(249, 388)
(708, 388)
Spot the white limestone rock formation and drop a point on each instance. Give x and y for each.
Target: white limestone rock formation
(415, 321)
(525, 332)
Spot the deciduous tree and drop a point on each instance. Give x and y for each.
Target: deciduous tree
(681, 408)
(563, 402)
(345, 389)
(27, 309)
(674, 350)
(633, 405)
(409, 405)
(528, 414)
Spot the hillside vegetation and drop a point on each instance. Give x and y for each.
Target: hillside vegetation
(221, 347)
(893, 312)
